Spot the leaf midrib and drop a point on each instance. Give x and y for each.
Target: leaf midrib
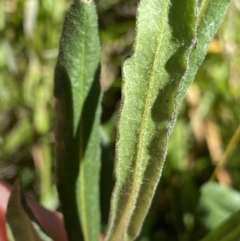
(202, 10)
(82, 170)
(144, 123)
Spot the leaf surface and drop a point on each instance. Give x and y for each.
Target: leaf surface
(172, 38)
(217, 203)
(78, 93)
(152, 79)
(211, 15)
(229, 230)
(22, 227)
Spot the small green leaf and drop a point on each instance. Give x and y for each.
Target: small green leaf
(229, 230)
(217, 203)
(78, 95)
(22, 227)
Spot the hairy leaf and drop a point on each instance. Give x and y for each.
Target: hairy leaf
(152, 79)
(211, 15)
(77, 91)
(171, 41)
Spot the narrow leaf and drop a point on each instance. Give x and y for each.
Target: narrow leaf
(211, 15)
(22, 227)
(171, 42)
(229, 230)
(77, 91)
(153, 76)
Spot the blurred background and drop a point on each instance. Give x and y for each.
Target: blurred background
(206, 136)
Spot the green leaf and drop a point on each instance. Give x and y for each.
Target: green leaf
(78, 94)
(211, 15)
(229, 230)
(21, 226)
(19, 136)
(152, 80)
(171, 41)
(217, 203)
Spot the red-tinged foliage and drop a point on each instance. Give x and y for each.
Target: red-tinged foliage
(3, 234)
(52, 222)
